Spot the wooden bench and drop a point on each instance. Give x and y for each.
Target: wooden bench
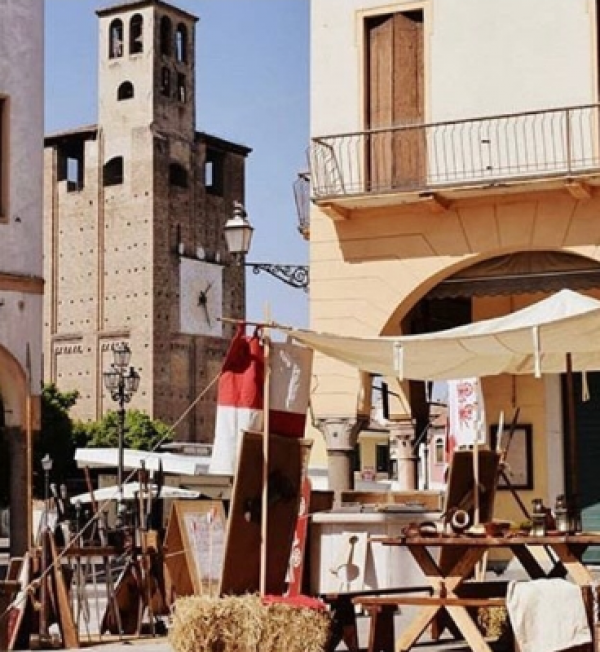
(381, 609)
(343, 613)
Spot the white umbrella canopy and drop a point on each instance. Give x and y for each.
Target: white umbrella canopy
(132, 491)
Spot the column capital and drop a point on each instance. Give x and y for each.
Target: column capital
(341, 432)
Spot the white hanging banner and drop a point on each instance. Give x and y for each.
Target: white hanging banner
(466, 413)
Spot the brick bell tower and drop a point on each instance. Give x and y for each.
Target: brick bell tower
(135, 209)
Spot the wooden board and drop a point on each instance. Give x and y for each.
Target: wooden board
(287, 468)
(16, 615)
(459, 493)
(66, 624)
(194, 546)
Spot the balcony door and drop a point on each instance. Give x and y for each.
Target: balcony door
(396, 159)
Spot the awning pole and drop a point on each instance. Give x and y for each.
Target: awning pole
(572, 435)
(264, 524)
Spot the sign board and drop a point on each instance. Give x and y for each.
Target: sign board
(194, 546)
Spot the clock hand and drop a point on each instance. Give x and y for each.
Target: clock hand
(205, 307)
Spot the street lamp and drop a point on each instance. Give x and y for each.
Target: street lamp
(122, 381)
(47, 466)
(43, 621)
(238, 235)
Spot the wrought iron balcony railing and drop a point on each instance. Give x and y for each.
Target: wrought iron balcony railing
(481, 151)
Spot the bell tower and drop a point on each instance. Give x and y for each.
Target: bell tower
(146, 75)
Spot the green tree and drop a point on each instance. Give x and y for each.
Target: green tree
(56, 438)
(141, 432)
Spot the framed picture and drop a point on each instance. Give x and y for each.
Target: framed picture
(519, 459)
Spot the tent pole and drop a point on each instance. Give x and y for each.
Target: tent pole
(572, 435)
(264, 521)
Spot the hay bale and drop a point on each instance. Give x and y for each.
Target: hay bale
(244, 624)
(493, 622)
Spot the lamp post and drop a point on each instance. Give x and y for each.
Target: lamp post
(43, 621)
(47, 466)
(238, 234)
(122, 381)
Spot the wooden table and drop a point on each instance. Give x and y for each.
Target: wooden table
(564, 553)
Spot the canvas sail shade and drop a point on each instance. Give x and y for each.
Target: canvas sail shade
(533, 340)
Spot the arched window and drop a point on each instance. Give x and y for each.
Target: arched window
(115, 39)
(181, 43)
(125, 91)
(136, 34)
(166, 36)
(113, 171)
(178, 175)
(165, 82)
(181, 88)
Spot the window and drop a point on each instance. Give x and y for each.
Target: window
(178, 175)
(4, 142)
(181, 88)
(214, 177)
(70, 163)
(181, 43)
(165, 82)
(136, 34)
(115, 39)
(383, 458)
(113, 171)
(125, 91)
(439, 451)
(166, 36)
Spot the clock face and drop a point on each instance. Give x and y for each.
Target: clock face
(201, 302)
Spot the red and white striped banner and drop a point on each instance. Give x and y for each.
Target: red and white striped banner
(240, 395)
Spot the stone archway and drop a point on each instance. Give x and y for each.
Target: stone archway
(18, 409)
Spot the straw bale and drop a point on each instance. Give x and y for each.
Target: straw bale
(244, 624)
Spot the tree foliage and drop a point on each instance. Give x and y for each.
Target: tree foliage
(141, 432)
(60, 436)
(57, 437)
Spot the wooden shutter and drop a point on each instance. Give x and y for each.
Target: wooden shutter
(395, 69)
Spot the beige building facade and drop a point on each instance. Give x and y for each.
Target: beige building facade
(134, 208)
(21, 285)
(454, 172)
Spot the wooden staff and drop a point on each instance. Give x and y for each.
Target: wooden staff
(265, 474)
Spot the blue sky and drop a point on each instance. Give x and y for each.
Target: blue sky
(252, 87)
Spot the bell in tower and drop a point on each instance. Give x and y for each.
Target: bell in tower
(147, 67)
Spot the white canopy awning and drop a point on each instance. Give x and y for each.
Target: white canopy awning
(535, 339)
(131, 491)
(132, 459)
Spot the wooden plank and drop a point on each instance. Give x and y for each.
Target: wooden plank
(68, 631)
(17, 614)
(434, 600)
(287, 467)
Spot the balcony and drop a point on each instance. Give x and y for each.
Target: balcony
(444, 161)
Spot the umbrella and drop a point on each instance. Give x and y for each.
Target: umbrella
(131, 491)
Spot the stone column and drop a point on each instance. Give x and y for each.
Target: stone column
(341, 435)
(405, 458)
